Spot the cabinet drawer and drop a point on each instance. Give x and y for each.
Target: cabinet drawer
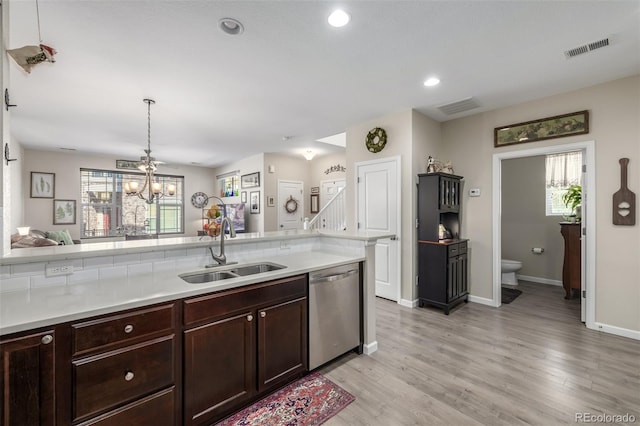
(104, 381)
(121, 328)
(453, 249)
(462, 247)
(227, 303)
(157, 409)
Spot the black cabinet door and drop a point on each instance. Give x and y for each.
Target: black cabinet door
(462, 275)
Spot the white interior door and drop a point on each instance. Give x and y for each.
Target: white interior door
(329, 189)
(378, 209)
(290, 204)
(583, 240)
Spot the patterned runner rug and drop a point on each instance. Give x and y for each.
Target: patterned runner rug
(312, 400)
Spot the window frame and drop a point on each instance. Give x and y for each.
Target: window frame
(118, 178)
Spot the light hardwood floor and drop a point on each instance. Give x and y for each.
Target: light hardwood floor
(528, 362)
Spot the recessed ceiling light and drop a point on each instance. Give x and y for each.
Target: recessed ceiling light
(432, 81)
(339, 18)
(231, 26)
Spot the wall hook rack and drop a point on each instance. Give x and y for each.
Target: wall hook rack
(7, 103)
(6, 154)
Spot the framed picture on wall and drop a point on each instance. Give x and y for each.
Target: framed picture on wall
(315, 203)
(64, 212)
(254, 202)
(251, 180)
(43, 185)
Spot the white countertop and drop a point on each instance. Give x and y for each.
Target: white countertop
(47, 306)
(92, 249)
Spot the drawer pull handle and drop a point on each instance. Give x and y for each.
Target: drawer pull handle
(249, 317)
(129, 376)
(46, 339)
(128, 328)
(263, 314)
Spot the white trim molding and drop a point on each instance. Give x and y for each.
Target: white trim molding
(482, 301)
(618, 331)
(408, 303)
(370, 348)
(539, 280)
(589, 266)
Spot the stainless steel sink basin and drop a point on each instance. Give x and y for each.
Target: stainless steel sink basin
(256, 269)
(207, 277)
(234, 271)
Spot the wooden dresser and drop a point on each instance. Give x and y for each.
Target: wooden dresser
(571, 269)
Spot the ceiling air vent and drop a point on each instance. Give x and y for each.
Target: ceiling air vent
(459, 106)
(585, 48)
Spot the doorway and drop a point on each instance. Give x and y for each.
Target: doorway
(378, 209)
(588, 222)
(290, 204)
(329, 189)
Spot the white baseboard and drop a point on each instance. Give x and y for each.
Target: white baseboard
(408, 303)
(539, 280)
(370, 348)
(482, 300)
(618, 331)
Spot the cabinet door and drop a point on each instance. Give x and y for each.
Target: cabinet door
(219, 367)
(462, 275)
(27, 380)
(452, 278)
(282, 342)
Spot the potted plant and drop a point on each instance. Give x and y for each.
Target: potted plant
(572, 199)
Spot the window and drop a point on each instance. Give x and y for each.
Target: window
(108, 212)
(562, 171)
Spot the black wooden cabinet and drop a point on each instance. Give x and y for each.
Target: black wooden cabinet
(442, 259)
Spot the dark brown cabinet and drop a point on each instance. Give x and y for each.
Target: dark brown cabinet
(27, 380)
(119, 360)
(241, 343)
(571, 267)
(442, 258)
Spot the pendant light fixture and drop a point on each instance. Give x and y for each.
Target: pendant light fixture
(151, 190)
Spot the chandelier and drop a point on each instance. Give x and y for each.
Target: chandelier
(151, 189)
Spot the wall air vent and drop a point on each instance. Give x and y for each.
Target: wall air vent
(585, 48)
(459, 106)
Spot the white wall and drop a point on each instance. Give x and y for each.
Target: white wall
(524, 221)
(615, 127)
(38, 213)
(255, 163)
(287, 167)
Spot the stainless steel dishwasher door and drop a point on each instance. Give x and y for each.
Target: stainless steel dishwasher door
(334, 313)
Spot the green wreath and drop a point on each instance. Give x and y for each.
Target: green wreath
(376, 140)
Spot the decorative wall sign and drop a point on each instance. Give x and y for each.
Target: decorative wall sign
(252, 180)
(336, 168)
(624, 200)
(243, 197)
(315, 189)
(64, 212)
(271, 201)
(43, 185)
(576, 123)
(127, 164)
(376, 140)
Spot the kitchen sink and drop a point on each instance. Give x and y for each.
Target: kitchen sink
(256, 269)
(229, 272)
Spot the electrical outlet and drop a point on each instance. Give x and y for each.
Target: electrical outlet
(284, 245)
(57, 270)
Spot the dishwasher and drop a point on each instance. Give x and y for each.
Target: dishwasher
(334, 313)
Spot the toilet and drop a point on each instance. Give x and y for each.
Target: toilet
(509, 269)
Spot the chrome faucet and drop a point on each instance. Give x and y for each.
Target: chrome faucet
(221, 258)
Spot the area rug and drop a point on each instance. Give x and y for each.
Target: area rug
(311, 400)
(509, 294)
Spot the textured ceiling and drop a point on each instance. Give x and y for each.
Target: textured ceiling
(221, 98)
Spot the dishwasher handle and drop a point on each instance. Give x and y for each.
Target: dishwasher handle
(330, 278)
